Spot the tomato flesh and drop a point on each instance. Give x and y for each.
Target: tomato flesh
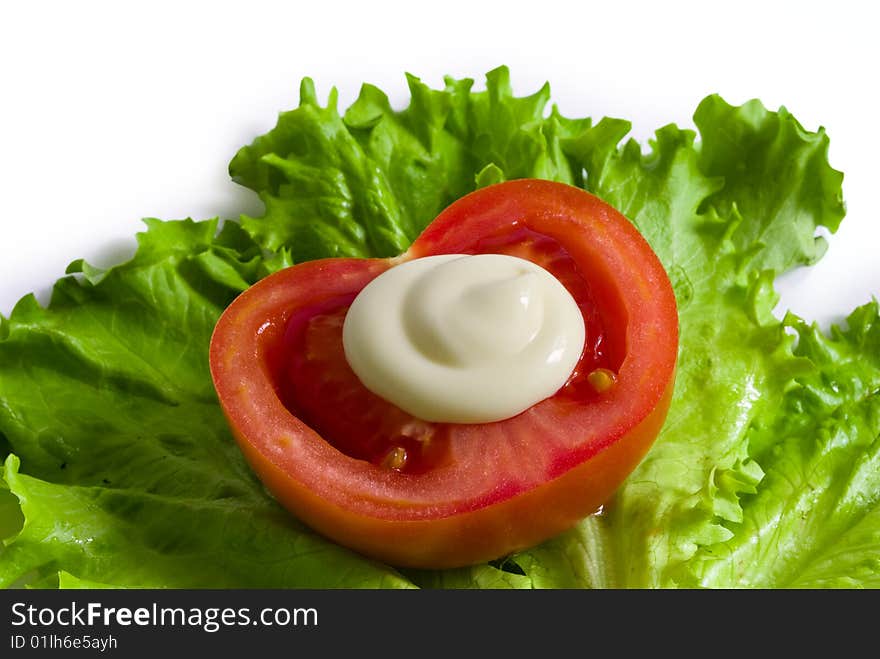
(333, 453)
(323, 391)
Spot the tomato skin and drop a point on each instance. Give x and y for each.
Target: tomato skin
(459, 515)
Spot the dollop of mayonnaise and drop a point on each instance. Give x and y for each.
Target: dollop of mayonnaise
(464, 339)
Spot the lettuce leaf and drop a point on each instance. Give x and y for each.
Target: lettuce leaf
(121, 470)
(124, 467)
(367, 182)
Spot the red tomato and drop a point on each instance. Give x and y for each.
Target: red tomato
(414, 493)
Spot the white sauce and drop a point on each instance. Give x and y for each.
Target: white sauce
(464, 339)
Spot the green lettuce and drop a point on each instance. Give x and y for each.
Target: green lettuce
(123, 464)
(121, 472)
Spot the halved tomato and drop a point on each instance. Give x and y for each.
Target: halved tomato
(413, 493)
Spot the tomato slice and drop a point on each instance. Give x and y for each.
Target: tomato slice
(413, 493)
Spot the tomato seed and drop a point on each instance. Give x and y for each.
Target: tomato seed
(395, 458)
(602, 379)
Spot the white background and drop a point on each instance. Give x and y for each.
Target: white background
(110, 112)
